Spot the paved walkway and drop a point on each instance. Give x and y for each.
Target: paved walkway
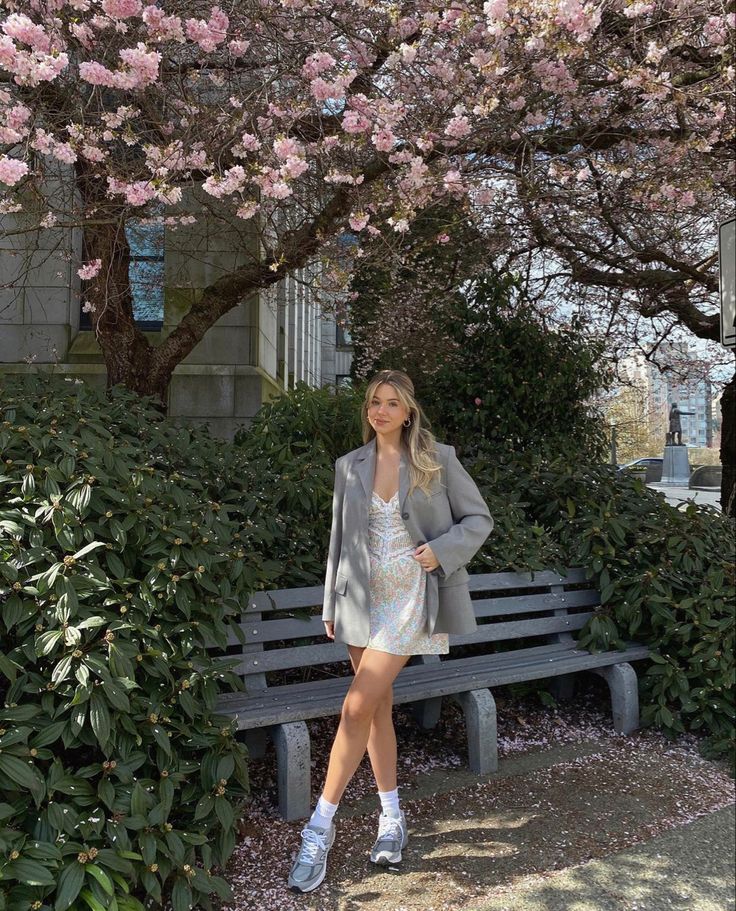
(609, 823)
(687, 869)
(679, 495)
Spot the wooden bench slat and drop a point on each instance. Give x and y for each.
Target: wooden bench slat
(311, 596)
(519, 629)
(487, 581)
(324, 653)
(274, 630)
(281, 704)
(531, 604)
(515, 657)
(286, 599)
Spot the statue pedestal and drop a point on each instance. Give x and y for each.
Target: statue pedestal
(676, 466)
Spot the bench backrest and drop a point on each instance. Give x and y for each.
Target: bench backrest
(282, 632)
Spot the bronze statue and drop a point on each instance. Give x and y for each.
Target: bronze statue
(675, 425)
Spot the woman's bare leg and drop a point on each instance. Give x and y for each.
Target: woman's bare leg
(382, 748)
(371, 689)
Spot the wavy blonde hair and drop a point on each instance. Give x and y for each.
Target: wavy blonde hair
(418, 441)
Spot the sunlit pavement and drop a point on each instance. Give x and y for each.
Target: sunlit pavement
(680, 495)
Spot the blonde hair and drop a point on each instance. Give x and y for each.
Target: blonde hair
(418, 441)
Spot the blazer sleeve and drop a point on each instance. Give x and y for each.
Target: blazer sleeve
(333, 552)
(461, 542)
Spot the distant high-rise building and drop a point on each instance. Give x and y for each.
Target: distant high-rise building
(667, 386)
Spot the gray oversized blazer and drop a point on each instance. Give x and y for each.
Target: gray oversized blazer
(454, 520)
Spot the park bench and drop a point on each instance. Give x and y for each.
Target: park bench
(533, 620)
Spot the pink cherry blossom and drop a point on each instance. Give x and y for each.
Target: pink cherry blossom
(137, 193)
(317, 63)
(355, 122)
(162, 27)
(484, 196)
(286, 148)
(384, 140)
(122, 9)
(496, 9)
(400, 225)
(358, 221)
(248, 210)
(458, 127)
(23, 29)
(294, 167)
(250, 142)
(208, 34)
(453, 183)
(238, 48)
(12, 170)
(90, 269)
(350, 114)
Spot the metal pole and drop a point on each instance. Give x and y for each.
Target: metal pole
(613, 445)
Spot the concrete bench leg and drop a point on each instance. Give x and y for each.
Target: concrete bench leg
(563, 687)
(479, 708)
(255, 741)
(426, 712)
(624, 687)
(293, 767)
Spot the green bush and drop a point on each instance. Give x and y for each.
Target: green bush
(125, 545)
(290, 448)
(511, 382)
(666, 575)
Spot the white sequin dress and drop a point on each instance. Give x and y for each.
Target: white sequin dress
(397, 586)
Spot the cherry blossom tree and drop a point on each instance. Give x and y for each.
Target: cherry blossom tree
(595, 134)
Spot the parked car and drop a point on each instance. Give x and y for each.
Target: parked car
(652, 465)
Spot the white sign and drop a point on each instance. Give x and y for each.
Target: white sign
(727, 280)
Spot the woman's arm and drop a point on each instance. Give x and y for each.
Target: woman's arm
(459, 545)
(333, 553)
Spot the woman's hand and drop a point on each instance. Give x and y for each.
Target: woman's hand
(424, 555)
(329, 629)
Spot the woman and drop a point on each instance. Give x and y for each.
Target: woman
(406, 518)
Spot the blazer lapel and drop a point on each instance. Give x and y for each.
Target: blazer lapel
(403, 480)
(366, 468)
(365, 465)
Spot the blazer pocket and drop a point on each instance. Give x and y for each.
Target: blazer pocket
(341, 584)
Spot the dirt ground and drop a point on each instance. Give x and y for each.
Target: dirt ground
(568, 791)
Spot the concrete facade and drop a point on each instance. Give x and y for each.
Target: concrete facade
(266, 344)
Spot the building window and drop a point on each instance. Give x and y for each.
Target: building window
(343, 338)
(145, 273)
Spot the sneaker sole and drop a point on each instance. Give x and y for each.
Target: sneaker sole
(311, 888)
(383, 859)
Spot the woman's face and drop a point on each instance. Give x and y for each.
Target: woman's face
(386, 414)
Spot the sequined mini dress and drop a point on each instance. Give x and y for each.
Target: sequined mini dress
(398, 616)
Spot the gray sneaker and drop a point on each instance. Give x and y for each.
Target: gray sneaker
(393, 836)
(310, 865)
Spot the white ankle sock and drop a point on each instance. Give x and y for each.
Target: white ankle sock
(390, 801)
(323, 813)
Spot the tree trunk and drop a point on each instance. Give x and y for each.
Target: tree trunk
(728, 448)
(128, 356)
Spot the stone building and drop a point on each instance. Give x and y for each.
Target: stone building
(266, 344)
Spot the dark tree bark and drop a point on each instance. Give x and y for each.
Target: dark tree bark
(728, 448)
